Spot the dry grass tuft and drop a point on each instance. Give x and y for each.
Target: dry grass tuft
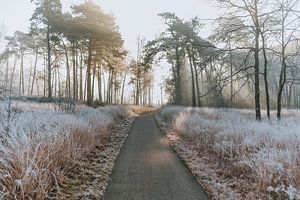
(41, 146)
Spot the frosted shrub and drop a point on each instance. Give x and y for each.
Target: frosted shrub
(267, 152)
(169, 112)
(39, 147)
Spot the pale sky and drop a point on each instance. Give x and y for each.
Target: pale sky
(134, 17)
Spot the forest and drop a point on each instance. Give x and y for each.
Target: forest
(249, 60)
(74, 99)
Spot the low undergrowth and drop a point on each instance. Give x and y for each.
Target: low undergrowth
(252, 159)
(39, 146)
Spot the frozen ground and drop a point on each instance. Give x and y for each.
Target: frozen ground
(234, 156)
(90, 178)
(40, 143)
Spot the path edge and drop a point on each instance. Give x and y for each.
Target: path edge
(118, 155)
(163, 132)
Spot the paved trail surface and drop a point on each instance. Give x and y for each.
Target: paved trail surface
(148, 169)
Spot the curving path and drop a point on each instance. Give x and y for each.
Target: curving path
(148, 169)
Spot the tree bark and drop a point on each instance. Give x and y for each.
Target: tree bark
(178, 90)
(108, 87)
(104, 87)
(282, 78)
(34, 71)
(21, 75)
(81, 77)
(266, 76)
(193, 80)
(88, 73)
(74, 70)
(123, 88)
(100, 85)
(197, 81)
(12, 75)
(256, 67)
(231, 75)
(137, 90)
(49, 62)
(6, 72)
(93, 80)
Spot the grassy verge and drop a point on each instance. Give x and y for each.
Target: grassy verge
(38, 147)
(234, 156)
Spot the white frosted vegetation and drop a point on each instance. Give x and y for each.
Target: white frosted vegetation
(266, 154)
(38, 146)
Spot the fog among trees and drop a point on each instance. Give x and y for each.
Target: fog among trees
(196, 107)
(250, 60)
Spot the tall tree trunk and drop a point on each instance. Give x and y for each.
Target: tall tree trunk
(282, 81)
(257, 74)
(81, 77)
(115, 89)
(197, 81)
(29, 81)
(49, 62)
(144, 93)
(266, 76)
(108, 87)
(289, 96)
(178, 90)
(23, 81)
(21, 75)
(89, 80)
(93, 80)
(99, 85)
(85, 86)
(59, 86)
(193, 80)
(295, 96)
(74, 70)
(279, 96)
(44, 74)
(104, 87)
(34, 71)
(76, 73)
(282, 78)
(68, 82)
(12, 75)
(149, 96)
(111, 87)
(137, 90)
(55, 82)
(123, 88)
(231, 75)
(6, 73)
(68, 79)
(37, 88)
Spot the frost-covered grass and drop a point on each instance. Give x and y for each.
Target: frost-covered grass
(34, 106)
(262, 159)
(39, 145)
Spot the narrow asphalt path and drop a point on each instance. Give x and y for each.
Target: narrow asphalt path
(148, 169)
